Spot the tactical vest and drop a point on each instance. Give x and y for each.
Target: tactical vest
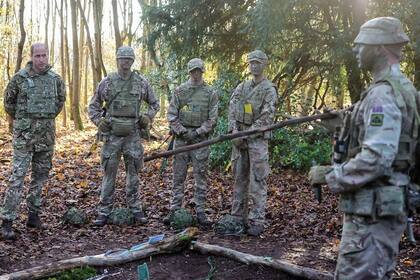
(38, 96)
(194, 104)
(123, 105)
(381, 198)
(251, 100)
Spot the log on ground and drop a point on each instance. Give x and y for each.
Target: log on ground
(292, 269)
(171, 244)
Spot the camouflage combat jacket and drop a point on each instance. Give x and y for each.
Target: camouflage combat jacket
(193, 107)
(382, 137)
(33, 101)
(252, 106)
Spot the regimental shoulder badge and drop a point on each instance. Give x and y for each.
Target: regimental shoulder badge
(376, 119)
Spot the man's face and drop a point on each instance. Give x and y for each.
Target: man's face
(256, 68)
(196, 75)
(124, 64)
(39, 58)
(365, 55)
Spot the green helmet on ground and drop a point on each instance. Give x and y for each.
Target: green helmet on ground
(181, 219)
(125, 52)
(121, 216)
(229, 225)
(74, 216)
(382, 31)
(257, 55)
(194, 64)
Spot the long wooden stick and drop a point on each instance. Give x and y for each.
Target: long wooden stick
(292, 269)
(240, 134)
(168, 245)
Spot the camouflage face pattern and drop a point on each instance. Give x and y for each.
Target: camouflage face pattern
(126, 52)
(382, 31)
(257, 55)
(194, 64)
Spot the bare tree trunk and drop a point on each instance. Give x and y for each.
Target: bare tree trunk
(118, 42)
(47, 19)
(96, 70)
(85, 95)
(62, 56)
(78, 124)
(54, 21)
(69, 73)
(22, 36)
(97, 19)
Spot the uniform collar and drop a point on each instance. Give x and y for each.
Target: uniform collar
(31, 72)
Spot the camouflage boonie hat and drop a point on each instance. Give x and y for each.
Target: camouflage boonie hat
(382, 31)
(257, 55)
(125, 52)
(181, 219)
(229, 225)
(74, 216)
(195, 63)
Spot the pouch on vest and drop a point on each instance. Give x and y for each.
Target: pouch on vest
(125, 107)
(41, 97)
(360, 202)
(122, 127)
(248, 114)
(390, 201)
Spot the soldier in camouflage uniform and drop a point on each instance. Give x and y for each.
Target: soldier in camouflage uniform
(381, 139)
(252, 105)
(33, 98)
(115, 109)
(192, 115)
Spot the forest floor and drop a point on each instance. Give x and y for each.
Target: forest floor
(298, 229)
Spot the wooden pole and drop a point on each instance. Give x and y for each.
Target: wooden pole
(244, 133)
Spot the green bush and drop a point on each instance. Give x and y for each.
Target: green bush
(299, 147)
(220, 152)
(75, 274)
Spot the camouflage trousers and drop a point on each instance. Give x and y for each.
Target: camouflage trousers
(199, 159)
(250, 170)
(41, 163)
(369, 248)
(132, 151)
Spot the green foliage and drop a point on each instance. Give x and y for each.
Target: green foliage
(121, 216)
(75, 274)
(220, 152)
(299, 148)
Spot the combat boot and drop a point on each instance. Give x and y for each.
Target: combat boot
(255, 229)
(202, 220)
(100, 220)
(140, 217)
(7, 230)
(167, 220)
(34, 221)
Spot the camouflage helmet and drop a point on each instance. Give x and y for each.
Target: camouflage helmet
(195, 63)
(257, 55)
(125, 52)
(382, 31)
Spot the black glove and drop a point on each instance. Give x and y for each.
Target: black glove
(144, 122)
(191, 135)
(104, 125)
(240, 143)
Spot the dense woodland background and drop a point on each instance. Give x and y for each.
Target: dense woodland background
(309, 43)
